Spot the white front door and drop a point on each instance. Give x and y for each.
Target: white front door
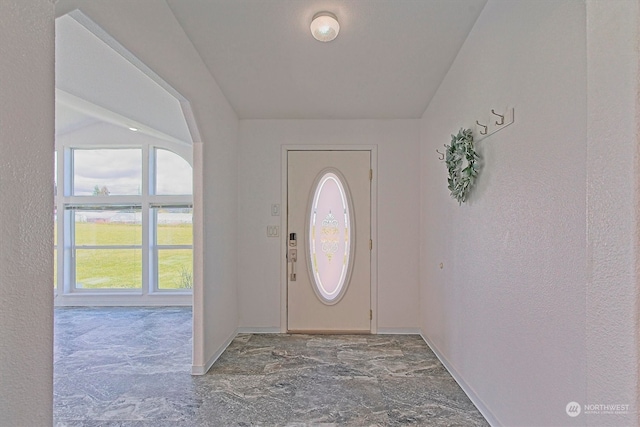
(329, 229)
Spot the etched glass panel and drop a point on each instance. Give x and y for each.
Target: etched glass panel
(330, 231)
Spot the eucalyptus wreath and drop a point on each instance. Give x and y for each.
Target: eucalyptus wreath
(461, 159)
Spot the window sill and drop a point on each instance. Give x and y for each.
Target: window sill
(123, 299)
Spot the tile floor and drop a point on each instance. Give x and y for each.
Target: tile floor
(130, 367)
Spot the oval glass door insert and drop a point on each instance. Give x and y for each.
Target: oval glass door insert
(330, 237)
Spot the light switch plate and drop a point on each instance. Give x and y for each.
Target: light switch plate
(275, 210)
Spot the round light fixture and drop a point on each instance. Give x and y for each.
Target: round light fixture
(324, 26)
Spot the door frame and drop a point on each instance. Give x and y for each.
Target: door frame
(373, 149)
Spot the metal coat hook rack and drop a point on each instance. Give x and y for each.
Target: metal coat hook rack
(501, 122)
(482, 126)
(498, 122)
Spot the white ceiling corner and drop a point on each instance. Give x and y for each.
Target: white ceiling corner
(386, 63)
(96, 83)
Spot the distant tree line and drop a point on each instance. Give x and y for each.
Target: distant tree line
(97, 191)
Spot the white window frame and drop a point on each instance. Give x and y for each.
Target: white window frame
(155, 248)
(66, 293)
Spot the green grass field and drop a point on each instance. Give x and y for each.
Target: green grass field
(122, 268)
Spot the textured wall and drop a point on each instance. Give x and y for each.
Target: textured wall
(612, 209)
(259, 185)
(26, 207)
(507, 311)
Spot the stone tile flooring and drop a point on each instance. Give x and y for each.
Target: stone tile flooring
(130, 367)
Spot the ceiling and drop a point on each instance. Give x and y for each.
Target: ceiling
(95, 83)
(386, 63)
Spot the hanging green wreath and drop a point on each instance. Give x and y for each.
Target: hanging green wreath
(462, 165)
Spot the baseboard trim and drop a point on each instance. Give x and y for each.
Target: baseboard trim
(277, 330)
(468, 390)
(113, 299)
(259, 330)
(203, 369)
(398, 331)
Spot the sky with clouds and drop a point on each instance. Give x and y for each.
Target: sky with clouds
(120, 170)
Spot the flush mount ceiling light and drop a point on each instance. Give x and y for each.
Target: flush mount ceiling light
(324, 26)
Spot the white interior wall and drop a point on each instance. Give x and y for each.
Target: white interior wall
(536, 304)
(26, 196)
(613, 131)
(259, 186)
(507, 311)
(148, 29)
